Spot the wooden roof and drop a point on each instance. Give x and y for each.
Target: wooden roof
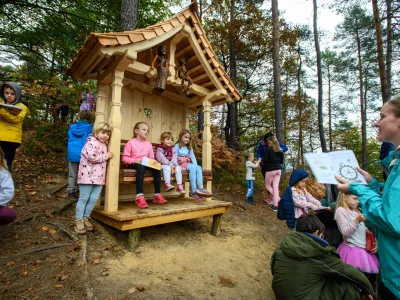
(97, 44)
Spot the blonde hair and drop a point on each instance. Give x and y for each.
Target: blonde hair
(165, 135)
(247, 155)
(137, 126)
(275, 143)
(101, 126)
(3, 163)
(181, 134)
(395, 104)
(341, 201)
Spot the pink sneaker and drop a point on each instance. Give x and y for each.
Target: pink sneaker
(169, 187)
(159, 199)
(141, 202)
(180, 189)
(196, 197)
(203, 193)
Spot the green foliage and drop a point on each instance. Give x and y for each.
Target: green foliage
(47, 138)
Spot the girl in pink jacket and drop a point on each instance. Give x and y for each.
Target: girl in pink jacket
(92, 175)
(303, 200)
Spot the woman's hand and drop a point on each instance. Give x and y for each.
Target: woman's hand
(368, 178)
(343, 185)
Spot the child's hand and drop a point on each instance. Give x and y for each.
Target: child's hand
(314, 206)
(360, 218)
(110, 155)
(138, 161)
(375, 249)
(259, 160)
(172, 170)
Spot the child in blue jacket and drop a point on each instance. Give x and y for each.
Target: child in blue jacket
(77, 135)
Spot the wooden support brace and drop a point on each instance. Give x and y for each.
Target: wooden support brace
(134, 238)
(216, 224)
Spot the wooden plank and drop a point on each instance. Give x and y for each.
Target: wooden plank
(183, 51)
(134, 239)
(216, 224)
(195, 69)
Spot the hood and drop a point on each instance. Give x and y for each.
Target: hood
(81, 128)
(162, 146)
(297, 175)
(299, 245)
(15, 87)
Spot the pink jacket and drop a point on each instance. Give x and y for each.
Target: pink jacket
(303, 202)
(93, 164)
(136, 149)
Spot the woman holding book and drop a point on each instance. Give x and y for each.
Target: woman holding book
(12, 114)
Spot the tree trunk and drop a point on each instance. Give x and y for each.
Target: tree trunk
(319, 74)
(329, 109)
(277, 71)
(232, 116)
(129, 9)
(300, 153)
(362, 104)
(389, 46)
(379, 45)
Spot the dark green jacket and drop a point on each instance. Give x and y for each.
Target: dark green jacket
(306, 267)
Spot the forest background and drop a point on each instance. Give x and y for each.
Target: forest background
(354, 75)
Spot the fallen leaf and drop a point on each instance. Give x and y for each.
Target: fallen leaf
(45, 228)
(142, 288)
(10, 263)
(58, 286)
(61, 277)
(10, 206)
(32, 193)
(25, 272)
(16, 236)
(39, 198)
(94, 261)
(132, 290)
(52, 231)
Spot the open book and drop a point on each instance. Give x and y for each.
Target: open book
(325, 166)
(151, 163)
(12, 109)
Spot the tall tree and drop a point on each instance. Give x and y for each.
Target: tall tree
(319, 75)
(389, 46)
(129, 15)
(277, 70)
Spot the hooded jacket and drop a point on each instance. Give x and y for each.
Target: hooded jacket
(383, 211)
(286, 206)
(6, 187)
(11, 125)
(77, 136)
(93, 164)
(306, 267)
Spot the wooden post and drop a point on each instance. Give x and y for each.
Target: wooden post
(134, 238)
(216, 224)
(112, 180)
(187, 122)
(207, 148)
(101, 102)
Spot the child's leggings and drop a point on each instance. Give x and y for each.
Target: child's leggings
(167, 174)
(140, 177)
(195, 176)
(250, 188)
(272, 179)
(88, 196)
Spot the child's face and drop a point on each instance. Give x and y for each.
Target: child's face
(103, 136)
(251, 157)
(352, 201)
(186, 138)
(388, 125)
(168, 141)
(142, 132)
(9, 95)
(302, 183)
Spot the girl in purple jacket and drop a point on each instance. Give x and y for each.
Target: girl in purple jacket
(92, 175)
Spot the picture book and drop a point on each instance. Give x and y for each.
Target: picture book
(12, 109)
(325, 166)
(151, 163)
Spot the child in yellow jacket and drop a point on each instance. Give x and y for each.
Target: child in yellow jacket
(12, 114)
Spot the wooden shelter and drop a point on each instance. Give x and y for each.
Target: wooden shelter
(122, 65)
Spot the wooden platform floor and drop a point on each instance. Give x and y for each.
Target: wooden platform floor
(129, 216)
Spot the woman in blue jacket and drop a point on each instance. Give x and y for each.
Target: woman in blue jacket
(382, 208)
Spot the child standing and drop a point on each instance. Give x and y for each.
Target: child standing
(134, 151)
(77, 136)
(351, 224)
(296, 200)
(7, 215)
(11, 121)
(250, 166)
(164, 154)
(92, 175)
(187, 161)
(272, 161)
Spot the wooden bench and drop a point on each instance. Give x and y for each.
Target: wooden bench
(128, 176)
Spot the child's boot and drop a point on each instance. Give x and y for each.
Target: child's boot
(79, 227)
(159, 199)
(141, 202)
(180, 189)
(169, 187)
(89, 226)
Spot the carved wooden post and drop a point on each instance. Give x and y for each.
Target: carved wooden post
(112, 182)
(187, 122)
(207, 148)
(101, 102)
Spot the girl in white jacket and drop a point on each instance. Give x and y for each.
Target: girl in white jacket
(7, 215)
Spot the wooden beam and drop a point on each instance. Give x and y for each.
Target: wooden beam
(103, 63)
(200, 77)
(193, 58)
(138, 68)
(194, 102)
(90, 57)
(183, 51)
(207, 84)
(195, 69)
(172, 48)
(194, 88)
(93, 65)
